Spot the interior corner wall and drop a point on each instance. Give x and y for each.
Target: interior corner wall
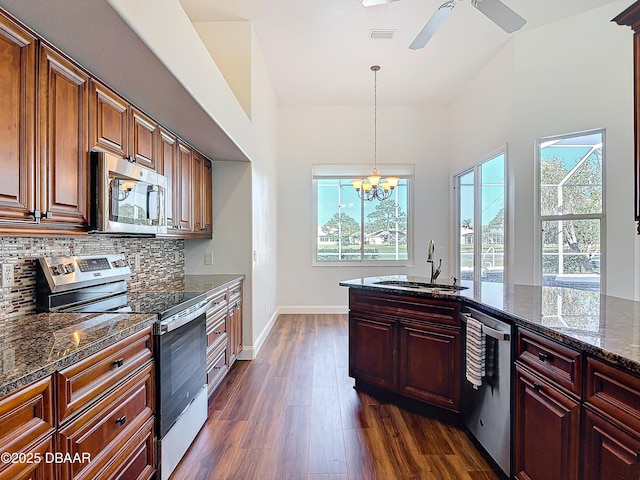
(245, 228)
(229, 44)
(570, 76)
(265, 228)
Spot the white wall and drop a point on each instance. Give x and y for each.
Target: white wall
(344, 135)
(569, 76)
(566, 77)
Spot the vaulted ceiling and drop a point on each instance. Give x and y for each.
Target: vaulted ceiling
(319, 52)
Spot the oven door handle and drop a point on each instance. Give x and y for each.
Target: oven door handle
(169, 325)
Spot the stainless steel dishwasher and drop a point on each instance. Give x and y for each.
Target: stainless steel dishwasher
(486, 410)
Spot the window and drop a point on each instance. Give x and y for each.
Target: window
(480, 205)
(349, 230)
(571, 209)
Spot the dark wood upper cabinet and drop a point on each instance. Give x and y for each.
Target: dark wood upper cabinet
(52, 114)
(167, 143)
(143, 138)
(631, 18)
(182, 187)
(109, 127)
(18, 51)
(63, 118)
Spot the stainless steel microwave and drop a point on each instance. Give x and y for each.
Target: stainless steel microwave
(126, 198)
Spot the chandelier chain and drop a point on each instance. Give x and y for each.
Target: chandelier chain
(375, 116)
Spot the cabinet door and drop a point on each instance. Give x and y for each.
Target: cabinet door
(166, 165)
(203, 195)
(143, 139)
(198, 191)
(235, 331)
(373, 344)
(182, 188)
(108, 121)
(63, 115)
(17, 128)
(430, 364)
(207, 207)
(609, 452)
(546, 430)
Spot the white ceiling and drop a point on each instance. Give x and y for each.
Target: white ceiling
(319, 51)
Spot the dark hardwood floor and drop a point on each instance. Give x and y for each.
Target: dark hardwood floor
(292, 413)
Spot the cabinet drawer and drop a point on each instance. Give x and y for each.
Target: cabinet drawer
(218, 301)
(26, 416)
(556, 362)
(614, 393)
(217, 332)
(31, 469)
(216, 368)
(136, 459)
(440, 312)
(104, 430)
(235, 291)
(90, 378)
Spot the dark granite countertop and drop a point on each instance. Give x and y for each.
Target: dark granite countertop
(34, 346)
(206, 283)
(603, 326)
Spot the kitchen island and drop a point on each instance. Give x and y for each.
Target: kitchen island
(575, 366)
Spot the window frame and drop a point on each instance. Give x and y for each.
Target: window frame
(539, 219)
(476, 168)
(348, 172)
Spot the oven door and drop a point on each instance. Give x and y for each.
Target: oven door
(181, 370)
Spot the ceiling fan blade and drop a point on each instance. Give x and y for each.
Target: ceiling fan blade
(432, 25)
(373, 3)
(500, 14)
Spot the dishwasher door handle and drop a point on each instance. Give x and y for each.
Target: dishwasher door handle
(497, 334)
(487, 330)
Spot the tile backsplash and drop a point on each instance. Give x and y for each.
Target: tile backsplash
(161, 264)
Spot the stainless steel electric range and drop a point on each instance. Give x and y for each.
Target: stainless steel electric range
(98, 283)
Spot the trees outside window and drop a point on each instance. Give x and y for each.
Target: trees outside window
(351, 230)
(571, 209)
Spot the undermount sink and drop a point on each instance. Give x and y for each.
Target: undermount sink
(420, 285)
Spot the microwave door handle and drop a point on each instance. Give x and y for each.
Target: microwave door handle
(153, 203)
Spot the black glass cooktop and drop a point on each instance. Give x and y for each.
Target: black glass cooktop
(161, 303)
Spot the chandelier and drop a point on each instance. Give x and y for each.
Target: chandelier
(375, 186)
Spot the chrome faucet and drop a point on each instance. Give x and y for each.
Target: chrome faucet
(431, 248)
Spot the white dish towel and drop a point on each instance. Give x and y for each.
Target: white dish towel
(475, 352)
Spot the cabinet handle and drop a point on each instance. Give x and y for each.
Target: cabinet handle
(218, 332)
(122, 420)
(48, 215)
(36, 214)
(543, 357)
(537, 387)
(118, 363)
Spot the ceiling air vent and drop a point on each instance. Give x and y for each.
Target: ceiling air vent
(388, 34)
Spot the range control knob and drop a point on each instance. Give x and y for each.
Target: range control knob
(69, 268)
(56, 269)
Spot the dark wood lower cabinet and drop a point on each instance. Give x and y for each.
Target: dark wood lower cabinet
(373, 350)
(430, 362)
(610, 453)
(410, 346)
(547, 427)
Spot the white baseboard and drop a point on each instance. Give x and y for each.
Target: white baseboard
(249, 352)
(313, 309)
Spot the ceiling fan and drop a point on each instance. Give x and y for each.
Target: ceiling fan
(494, 10)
